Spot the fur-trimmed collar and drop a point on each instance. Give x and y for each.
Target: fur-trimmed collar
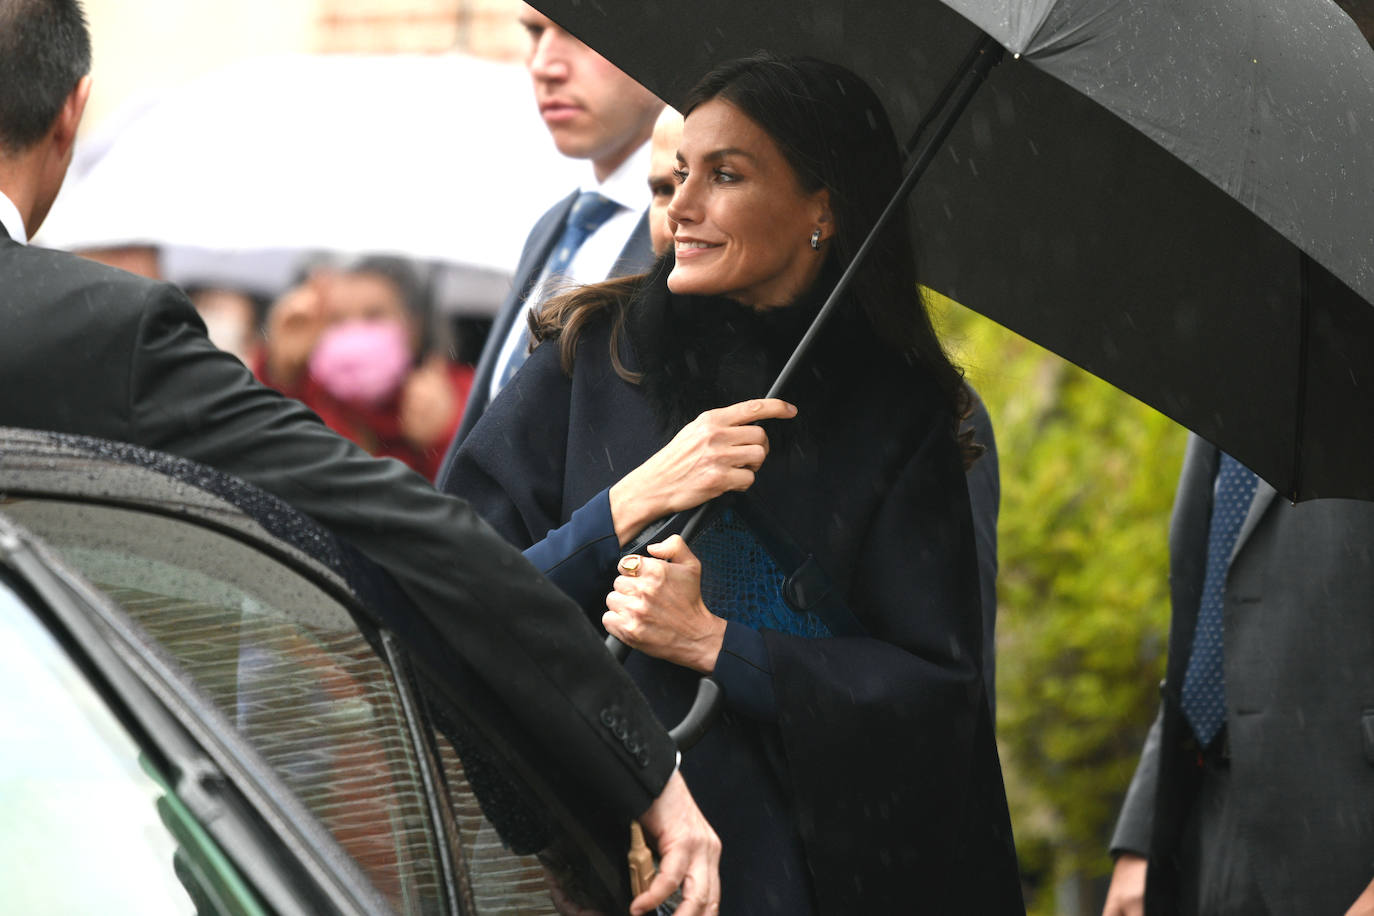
(695, 353)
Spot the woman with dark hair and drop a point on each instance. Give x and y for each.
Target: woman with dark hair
(833, 593)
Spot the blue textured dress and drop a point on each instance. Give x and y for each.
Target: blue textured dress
(741, 583)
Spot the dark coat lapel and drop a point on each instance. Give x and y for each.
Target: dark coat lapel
(541, 241)
(638, 254)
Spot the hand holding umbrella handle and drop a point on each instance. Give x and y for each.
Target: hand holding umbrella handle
(699, 718)
(706, 706)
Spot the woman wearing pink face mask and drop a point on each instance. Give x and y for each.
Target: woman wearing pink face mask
(350, 345)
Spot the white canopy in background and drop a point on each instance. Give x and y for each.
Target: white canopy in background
(236, 173)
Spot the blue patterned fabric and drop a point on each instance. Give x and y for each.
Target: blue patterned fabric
(588, 212)
(741, 583)
(1204, 687)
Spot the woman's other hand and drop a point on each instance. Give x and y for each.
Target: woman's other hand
(719, 451)
(657, 608)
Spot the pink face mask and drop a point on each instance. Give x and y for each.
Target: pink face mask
(362, 362)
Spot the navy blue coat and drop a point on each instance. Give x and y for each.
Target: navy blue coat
(877, 755)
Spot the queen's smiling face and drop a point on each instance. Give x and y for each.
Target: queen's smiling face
(742, 222)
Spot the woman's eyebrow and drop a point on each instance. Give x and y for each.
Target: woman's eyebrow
(726, 153)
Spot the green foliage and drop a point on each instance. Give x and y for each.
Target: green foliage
(1088, 477)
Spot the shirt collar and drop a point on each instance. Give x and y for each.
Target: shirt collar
(628, 185)
(14, 223)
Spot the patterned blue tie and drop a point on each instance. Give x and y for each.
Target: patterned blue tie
(588, 212)
(1204, 688)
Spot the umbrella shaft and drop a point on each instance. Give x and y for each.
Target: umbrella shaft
(980, 47)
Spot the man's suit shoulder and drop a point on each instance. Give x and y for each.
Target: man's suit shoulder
(43, 280)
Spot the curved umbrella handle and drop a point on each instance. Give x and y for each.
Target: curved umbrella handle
(705, 708)
(618, 649)
(700, 717)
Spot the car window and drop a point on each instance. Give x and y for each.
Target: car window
(72, 790)
(499, 883)
(283, 661)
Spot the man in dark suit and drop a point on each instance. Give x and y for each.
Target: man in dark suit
(1253, 792)
(597, 113)
(91, 350)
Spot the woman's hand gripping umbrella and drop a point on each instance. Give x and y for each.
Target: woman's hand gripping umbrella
(663, 614)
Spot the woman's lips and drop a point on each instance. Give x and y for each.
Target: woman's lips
(691, 248)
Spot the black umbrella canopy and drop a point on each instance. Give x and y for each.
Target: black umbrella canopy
(1178, 197)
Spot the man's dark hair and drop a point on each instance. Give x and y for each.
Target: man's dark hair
(45, 50)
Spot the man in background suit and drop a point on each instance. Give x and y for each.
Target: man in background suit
(1255, 790)
(91, 350)
(597, 113)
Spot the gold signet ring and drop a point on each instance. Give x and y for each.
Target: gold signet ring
(630, 565)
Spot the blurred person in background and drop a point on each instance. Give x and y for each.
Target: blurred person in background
(662, 164)
(357, 346)
(594, 112)
(233, 319)
(143, 260)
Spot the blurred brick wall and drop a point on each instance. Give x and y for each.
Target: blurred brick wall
(485, 28)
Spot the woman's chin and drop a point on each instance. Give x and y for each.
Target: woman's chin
(681, 280)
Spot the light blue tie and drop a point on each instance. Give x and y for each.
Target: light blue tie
(588, 212)
(1204, 686)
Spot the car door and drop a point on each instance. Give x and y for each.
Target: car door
(292, 757)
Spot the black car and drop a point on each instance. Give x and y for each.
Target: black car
(201, 714)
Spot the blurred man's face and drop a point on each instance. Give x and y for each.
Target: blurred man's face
(662, 183)
(593, 110)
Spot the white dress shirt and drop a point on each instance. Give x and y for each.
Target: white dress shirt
(628, 186)
(14, 223)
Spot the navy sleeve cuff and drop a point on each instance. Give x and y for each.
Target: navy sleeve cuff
(743, 672)
(580, 556)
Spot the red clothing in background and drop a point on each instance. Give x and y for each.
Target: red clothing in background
(376, 429)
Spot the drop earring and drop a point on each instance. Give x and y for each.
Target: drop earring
(816, 240)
